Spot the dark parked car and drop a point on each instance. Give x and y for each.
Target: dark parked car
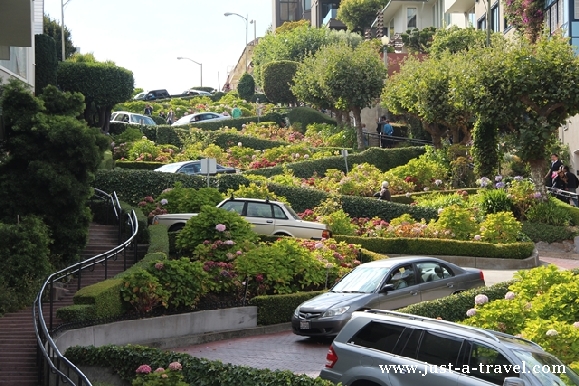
(152, 95)
(191, 168)
(386, 284)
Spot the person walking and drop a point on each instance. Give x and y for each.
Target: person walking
(552, 173)
(572, 185)
(387, 131)
(236, 112)
(385, 192)
(148, 109)
(170, 117)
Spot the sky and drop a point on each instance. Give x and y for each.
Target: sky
(146, 36)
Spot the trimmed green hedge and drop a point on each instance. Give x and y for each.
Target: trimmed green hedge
(453, 308)
(403, 199)
(274, 309)
(237, 123)
(548, 233)
(97, 301)
(159, 240)
(424, 246)
(138, 165)
(143, 231)
(226, 140)
(383, 159)
(306, 116)
(574, 211)
(196, 371)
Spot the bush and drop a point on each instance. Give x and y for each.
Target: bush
(46, 61)
(547, 233)
(278, 79)
(227, 139)
(458, 221)
(573, 211)
(494, 201)
(500, 227)
(138, 165)
(274, 309)
(305, 116)
(196, 371)
(549, 212)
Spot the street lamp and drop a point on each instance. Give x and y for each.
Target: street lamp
(246, 20)
(200, 68)
(254, 22)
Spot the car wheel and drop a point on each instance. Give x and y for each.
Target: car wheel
(364, 383)
(176, 227)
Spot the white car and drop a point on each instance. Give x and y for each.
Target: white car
(272, 218)
(132, 118)
(200, 117)
(193, 92)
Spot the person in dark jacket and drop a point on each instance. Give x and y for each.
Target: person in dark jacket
(559, 184)
(385, 192)
(555, 166)
(572, 185)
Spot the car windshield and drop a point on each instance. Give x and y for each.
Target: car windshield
(171, 168)
(362, 279)
(547, 369)
(292, 213)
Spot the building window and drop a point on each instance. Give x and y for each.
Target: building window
(307, 4)
(481, 23)
(554, 16)
(411, 17)
(495, 20)
(287, 10)
(391, 29)
(471, 18)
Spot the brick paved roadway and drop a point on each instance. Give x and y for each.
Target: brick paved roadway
(286, 351)
(278, 351)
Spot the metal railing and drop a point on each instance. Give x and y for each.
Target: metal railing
(53, 367)
(562, 193)
(392, 139)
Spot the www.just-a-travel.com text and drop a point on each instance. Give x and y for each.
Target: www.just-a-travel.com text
(466, 369)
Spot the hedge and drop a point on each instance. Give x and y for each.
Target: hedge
(46, 62)
(196, 371)
(306, 116)
(237, 123)
(409, 199)
(138, 165)
(424, 246)
(383, 159)
(97, 301)
(274, 309)
(548, 233)
(573, 211)
(226, 140)
(453, 308)
(143, 231)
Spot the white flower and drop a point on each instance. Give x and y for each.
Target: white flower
(480, 299)
(319, 245)
(239, 144)
(471, 312)
(164, 201)
(552, 332)
(329, 265)
(306, 156)
(408, 194)
(440, 210)
(477, 237)
(510, 295)
(426, 189)
(576, 324)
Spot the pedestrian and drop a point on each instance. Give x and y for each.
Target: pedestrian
(236, 112)
(365, 135)
(170, 117)
(387, 131)
(148, 109)
(384, 192)
(560, 184)
(162, 115)
(572, 185)
(555, 166)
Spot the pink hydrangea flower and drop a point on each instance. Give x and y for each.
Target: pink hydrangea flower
(470, 313)
(144, 369)
(175, 366)
(510, 295)
(576, 324)
(480, 299)
(220, 227)
(160, 370)
(477, 237)
(159, 266)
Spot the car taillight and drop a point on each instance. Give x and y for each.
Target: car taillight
(331, 358)
(326, 234)
(482, 275)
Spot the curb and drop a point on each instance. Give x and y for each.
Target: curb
(192, 340)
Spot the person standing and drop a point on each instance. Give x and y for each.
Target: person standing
(170, 117)
(148, 109)
(385, 192)
(552, 173)
(387, 131)
(572, 185)
(236, 112)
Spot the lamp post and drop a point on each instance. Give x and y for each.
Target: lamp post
(200, 68)
(254, 22)
(246, 21)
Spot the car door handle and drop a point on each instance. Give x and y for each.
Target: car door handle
(269, 221)
(413, 293)
(450, 285)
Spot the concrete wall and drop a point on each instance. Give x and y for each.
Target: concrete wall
(154, 331)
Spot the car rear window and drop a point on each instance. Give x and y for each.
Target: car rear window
(379, 336)
(438, 349)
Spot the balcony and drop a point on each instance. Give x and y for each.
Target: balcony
(458, 6)
(330, 20)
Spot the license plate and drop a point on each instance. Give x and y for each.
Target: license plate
(304, 325)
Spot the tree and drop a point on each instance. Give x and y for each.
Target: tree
(289, 25)
(358, 15)
(53, 29)
(246, 86)
(277, 80)
(46, 62)
(418, 41)
(102, 84)
(349, 78)
(295, 44)
(456, 39)
(527, 90)
(50, 165)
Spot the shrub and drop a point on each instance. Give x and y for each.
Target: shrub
(458, 221)
(215, 224)
(529, 284)
(306, 116)
(547, 233)
(556, 337)
(548, 212)
(143, 291)
(494, 201)
(97, 301)
(180, 200)
(274, 309)
(277, 80)
(501, 227)
(573, 211)
(502, 315)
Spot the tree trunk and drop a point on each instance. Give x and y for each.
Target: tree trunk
(359, 133)
(538, 174)
(346, 117)
(435, 133)
(338, 116)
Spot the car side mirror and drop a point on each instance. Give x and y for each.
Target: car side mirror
(387, 288)
(513, 381)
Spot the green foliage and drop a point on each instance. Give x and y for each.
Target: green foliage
(485, 153)
(548, 233)
(162, 377)
(159, 239)
(183, 280)
(274, 309)
(227, 139)
(438, 200)
(559, 302)
(306, 116)
(548, 212)
(246, 86)
(143, 291)
(573, 211)
(458, 221)
(102, 84)
(455, 39)
(277, 79)
(339, 222)
(181, 200)
(204, 226)
(453, 308)
(494, 201)
(508, 316)
(97, 301)
(500, 227)
(254, 190)
(53, 28)
(54, 154)
(46, 62)
(24, 261)
(358, 15)
(130, 134)
(196, 371)
(537, 281)
(418, 41)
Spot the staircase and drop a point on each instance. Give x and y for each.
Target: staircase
(18, 365)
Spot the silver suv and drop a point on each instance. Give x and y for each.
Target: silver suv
(388, 348)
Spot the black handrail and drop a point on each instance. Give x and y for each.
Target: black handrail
(51, 362)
